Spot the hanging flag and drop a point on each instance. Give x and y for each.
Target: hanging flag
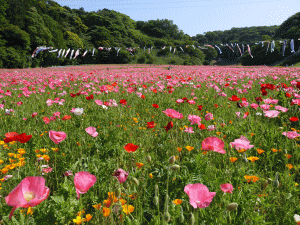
(219, 49)
(181, 49)
(163, 47)
(229, 47)
(268, 47)
(76, 53)
(39, 49)
(118, 51)
(93, 52)
(72, 52)
(284, 45)
(85, 53)
(67, 53)
(148, 50)
(209, 46)
(55, 50)
(170, 48)
(239, 49)
(249, 51)
(174, 50)
(243, 49)
(144, 49)
(272, 46)
(59, 53)
(193, 46)
(292, 46)
(62, 54)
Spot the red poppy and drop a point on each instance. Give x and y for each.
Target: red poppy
(288, 95)
(155, 106)
(258, 99)
(151, 124)
(216, 105)
(11, 134)
(23, 138)
(202, 127)
(184, 98)
(264, 92)
(298, 85)
(154, 90)
(144, 86)
(200, 107)
(66, 117)
(72, 95)
(89, 97)
(234, 98)
(294, 119)
(143, 96)
(114, 84)
(123, 102)
(131, 147)
(78, 94)
(169, 126)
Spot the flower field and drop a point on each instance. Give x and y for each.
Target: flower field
(140, 144)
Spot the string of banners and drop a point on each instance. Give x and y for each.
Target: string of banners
(63, 53)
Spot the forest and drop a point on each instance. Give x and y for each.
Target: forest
(109, 37)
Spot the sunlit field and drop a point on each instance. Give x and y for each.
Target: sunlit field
(141, 144)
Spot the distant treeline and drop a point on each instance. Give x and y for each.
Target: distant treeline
(27, 24)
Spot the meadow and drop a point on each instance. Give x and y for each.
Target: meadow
(141, 144)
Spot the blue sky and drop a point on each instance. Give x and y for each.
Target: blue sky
(197, 17)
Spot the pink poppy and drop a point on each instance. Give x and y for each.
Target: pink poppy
(121, 175)
(189, 130)
(241, 143)
(265, 107)
(271, 113)
(291, 134)
(191, 102)
(46, 120)
(226, 188)
(30, 192)
(83, 182)
(280, 108)
(209, 116)
(211, 127)
(57, 136)
(179, 101)
(47, 170)
(238, 114)
(91, 131)
(173, 114)
(253, 105)
(200, 197)
(194, 119)
(213, 144)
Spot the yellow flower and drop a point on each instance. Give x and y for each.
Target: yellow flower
(218, 133)
(2, 142)
(288, 156)
(251, 178)
(80, 213)
(1, 161)
(11, 155)
(29, 211)
(139, 165)
(241, 150)
(11, 160)
(97, 206)
(275, 150)
(55, 149)
(150, 175)
(127, 209)
(78, 220)
(233, 159)
(133, 196)
(189, 148)
(177, 201)
(36, 151)
(252, 134)
(123, 201)
(46, 157)
(21, 151)
(296, 184)
(253, 158)
(4, 170)
(290, 166)
(43, 150)
(230, 121)
(12, 166)
(135, 120)
(260, 151)
(12, 143)
(105, 211)
(88, 217)
(179, 149)
(204, 152)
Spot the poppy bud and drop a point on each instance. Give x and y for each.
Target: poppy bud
(167, 216)
(155, 200)
(175, 167)
(232, 207)
(135, 181)
(265, 184)
(172, 159)
(118, 192)
(181, 215)
(276, 182)
(192, 218)
(148, 158)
